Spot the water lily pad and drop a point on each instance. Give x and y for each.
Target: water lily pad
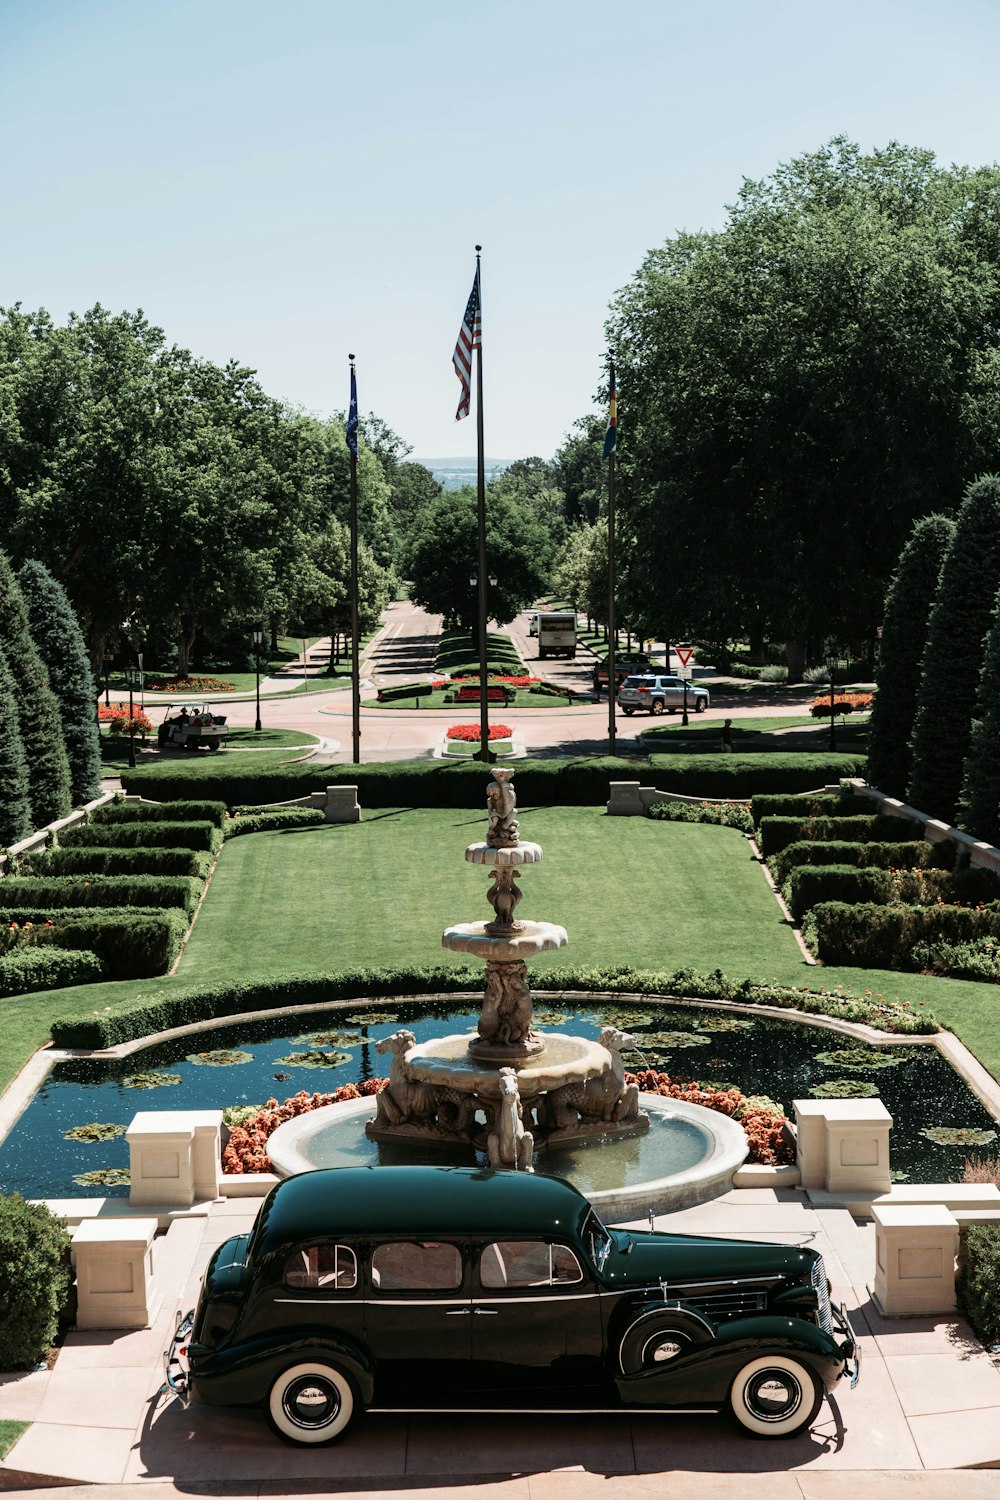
(552, 1017)
(93, 1132)
(314, 1057)
(150, 1080)
(626, 1020)
(330, 1039)
(104, 1177)
(671, 1040)
(862, 1058)
(221, 1057)
(724, 1023)
(718, 1063)
(899, 1176)
(955, 1135)
(845, 1088)
(371, 1018)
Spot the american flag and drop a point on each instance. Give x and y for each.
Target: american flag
(470, 337)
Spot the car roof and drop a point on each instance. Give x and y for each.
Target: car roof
(418, 1201)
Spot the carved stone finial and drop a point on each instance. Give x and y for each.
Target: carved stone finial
(501, 804)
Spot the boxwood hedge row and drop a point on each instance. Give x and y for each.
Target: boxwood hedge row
(540, 783)
(151, 812)
(144, 835)
(808, 885)
(267, 820)
(806, 805)
(46, 968)
(101, 890)
(134, 944)
(91, 861)
(916, 855)
(166, 1008)
(776, 834)
(883, 937)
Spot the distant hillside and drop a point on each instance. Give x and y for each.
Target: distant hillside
(452, 473)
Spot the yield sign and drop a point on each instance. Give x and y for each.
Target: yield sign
(684, 654)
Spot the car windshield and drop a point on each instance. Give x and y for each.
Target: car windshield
(597, 1240)
(634, 682)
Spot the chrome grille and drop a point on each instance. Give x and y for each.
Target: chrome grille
(719, 1305)
(823, 1295)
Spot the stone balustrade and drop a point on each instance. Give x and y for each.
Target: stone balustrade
(916, 1247)
(842, 1146)
(175, 1156)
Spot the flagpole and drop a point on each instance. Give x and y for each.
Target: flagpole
(485, 754)
(355, 666)
(612, 682)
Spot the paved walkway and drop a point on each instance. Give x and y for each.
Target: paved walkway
(928, 1401)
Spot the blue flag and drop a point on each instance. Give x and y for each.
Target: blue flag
(611, 436)
(352, 417)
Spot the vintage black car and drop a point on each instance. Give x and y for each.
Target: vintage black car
(448, 1288)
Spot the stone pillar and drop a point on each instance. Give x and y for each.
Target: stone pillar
(115, 1286)
(174, 1156)
(843, 1145)
(342, 804)
(624, 800)
(915, 1251)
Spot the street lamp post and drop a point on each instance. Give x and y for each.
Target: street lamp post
(258, 636)
(131, 677)
(833, 718)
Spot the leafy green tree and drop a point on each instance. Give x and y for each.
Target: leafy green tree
(56, 632)
(37, 709)
(796, 389)
(979, 800)
(532, 485)
(908, 607)
(411, 486)
(581, 573)
(444, 553)
(953, 658)
(15, 809)
(581, 470)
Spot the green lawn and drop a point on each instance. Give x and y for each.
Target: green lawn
(523, 698)
(654, 895)
(9, 1434)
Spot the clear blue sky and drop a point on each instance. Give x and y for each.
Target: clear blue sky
(283, 181)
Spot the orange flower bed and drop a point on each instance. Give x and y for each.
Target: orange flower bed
(843, 703)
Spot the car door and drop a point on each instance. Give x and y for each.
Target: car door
(418, 1316)
(536, 1323)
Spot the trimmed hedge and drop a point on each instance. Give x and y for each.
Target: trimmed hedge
(885, 856)
(268, 820)
(160, 812)
(35, 1287)
(143, 835)
(89, 861)
(540, 783)
(776, 834)
(47, 968)
(414, 690)
(978, 1284)
(806, 805)
(869, 936)
(133, 944)
(164, 1009)
(101, 890)
(808, 885)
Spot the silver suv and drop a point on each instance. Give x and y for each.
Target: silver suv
(660, 694)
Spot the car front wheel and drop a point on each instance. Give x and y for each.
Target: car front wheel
(311, 1404)
(775, 1396)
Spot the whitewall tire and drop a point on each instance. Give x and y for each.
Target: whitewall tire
(311, 1403)
(775, 1396)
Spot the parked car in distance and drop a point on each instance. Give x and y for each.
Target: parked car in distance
(458, 1289)
(192, 726)
(626, 662)
(660, 694)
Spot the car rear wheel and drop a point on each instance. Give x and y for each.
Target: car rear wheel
(628, 712)
(775, 1396)
(311, 1404)
(657, 706)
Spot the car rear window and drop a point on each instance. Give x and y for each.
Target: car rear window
(332, 1268)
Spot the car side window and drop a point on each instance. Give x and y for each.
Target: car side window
(521, 1263)
(416, 1266)
(328, 1268)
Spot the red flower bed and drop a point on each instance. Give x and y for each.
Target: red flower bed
(511, 681)
(471, 732)
(116, 716)
(189, 685)
(246, 1149)
(843, 703)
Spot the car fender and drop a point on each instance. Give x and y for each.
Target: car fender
(243, 1372)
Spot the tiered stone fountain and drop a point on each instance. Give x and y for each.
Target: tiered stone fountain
(532, 1087)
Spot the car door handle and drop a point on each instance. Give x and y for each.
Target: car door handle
(487, 1312)
(458, 1312)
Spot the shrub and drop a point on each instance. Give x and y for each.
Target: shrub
(409, 690)
(46, 968)
(38, 714)
(978, 1283)
(134, 944)
(885, 856)
(773, 674)
(806, 805)
(843, 703)
(36, 1280)
(15, 808)
(977, 959)
(160, 812)
(143, 835)
(953, 658)
(91, 861)
(741, 777)
(884, 937)
(726, 814)
(268, 819)
(101, 890)
(807, 885)
(979, 800)
(777, 833)
(904, 635)
(981, 1169)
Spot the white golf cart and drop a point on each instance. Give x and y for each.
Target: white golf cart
(192, 726)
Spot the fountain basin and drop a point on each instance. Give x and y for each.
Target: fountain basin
(687, 1156)
(502, 859)
(528, 939)
(566, 1059)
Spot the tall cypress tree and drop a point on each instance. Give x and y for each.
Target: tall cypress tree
(908, 605)
(37, 709)
(15, 810)
(979, 802)
(56, 632)
(953, 659)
